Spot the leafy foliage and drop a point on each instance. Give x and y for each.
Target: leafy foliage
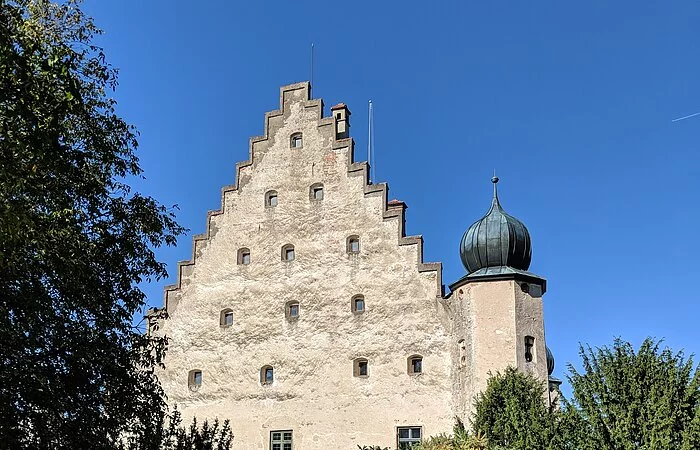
(624, 399)
(75, 241)
(176, 437)
(512, 412)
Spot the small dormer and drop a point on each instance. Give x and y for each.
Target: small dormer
(341, 116)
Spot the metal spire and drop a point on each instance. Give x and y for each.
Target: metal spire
(495, 180)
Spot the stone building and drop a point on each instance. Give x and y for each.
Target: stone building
(309, 319)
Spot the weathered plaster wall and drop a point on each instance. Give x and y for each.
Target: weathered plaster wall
(315, 393)
(492, 318)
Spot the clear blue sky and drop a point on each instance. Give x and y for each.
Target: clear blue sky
(571, 102)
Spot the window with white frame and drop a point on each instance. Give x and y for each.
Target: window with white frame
(408, 437)
(281, 440)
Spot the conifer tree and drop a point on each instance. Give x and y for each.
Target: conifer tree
(644, 400)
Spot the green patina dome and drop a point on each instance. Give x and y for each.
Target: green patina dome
(497, 240)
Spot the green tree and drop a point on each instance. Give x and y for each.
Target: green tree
(624, 399)
(75, 241)
(512, 413)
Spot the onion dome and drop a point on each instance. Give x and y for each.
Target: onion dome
(497, 240)
(550, 361)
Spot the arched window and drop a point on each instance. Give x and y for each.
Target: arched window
(292, 310)
(271, 198)
(415, 364)
(529, 348)
(295, 141)
(358, 304)
(360, 367)
(353, 244)
(267, 375)
(226, 317)
(243, 256)
(316, 192)
(288, 253)
(194, 379)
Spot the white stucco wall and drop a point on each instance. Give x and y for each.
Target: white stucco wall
(314, 393)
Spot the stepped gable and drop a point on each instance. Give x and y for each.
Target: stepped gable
(394, 210)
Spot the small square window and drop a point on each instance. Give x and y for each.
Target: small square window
(273, 200)
(296, 141)
(318, 193)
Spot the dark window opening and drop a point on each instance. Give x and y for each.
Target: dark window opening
(415, 365)
(226, 318)
(353, 245)
(267, 375)
(244, 256)
(296, 141)
(358, 304)
(293, 310)
(529, 346)
(194, 380)
(361, 368)
(288, 253)
(316, 192)
(271, 198)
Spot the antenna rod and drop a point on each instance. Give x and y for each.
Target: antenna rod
(369, 142)
(312, 65)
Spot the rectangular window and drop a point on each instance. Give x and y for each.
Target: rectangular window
(359, 304)
(228, 318)
(529, 344)
(318, 194)
(197, 378)
(408, 437)
(273, 200)
(417, 364)
(245, 258)
(293, 310)
(362, 368)
(355, 246)
(281, 440)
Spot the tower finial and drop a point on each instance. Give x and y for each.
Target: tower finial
(494, 180)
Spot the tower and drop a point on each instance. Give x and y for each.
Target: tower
(498, 305)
